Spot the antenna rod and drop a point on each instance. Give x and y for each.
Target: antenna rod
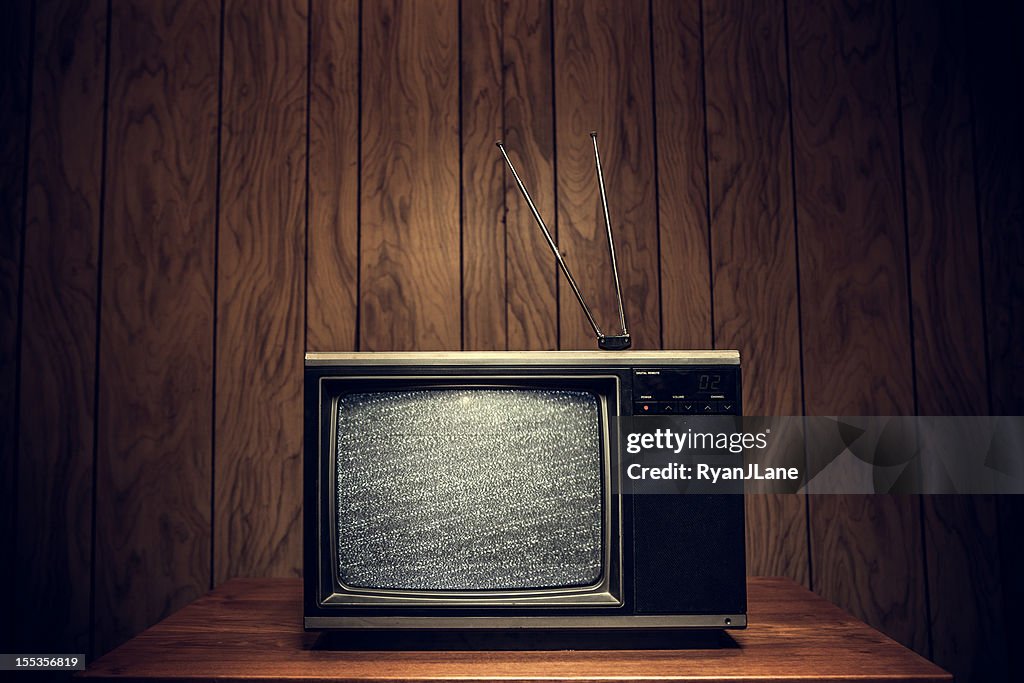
(551, 242)
(611, 244)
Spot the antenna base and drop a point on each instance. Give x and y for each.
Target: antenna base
(615, 342)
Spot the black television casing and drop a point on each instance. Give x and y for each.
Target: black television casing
(672, 560)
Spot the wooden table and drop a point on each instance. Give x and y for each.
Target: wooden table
(251, 629)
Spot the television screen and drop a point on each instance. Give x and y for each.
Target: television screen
(469, 489)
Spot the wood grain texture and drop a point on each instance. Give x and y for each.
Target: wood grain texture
(846, 143)
(258, 427)
(484, 239)
(679, 107)
(603, 82)
(153, 516)
(942, 226)
(532, 278)
(866, 551)
(801, 637)
(333, 248)
(753, 249)
(597, 67)
(55, 469)
(409, 266)
(867, 556)
(15, 54)
(967, 623)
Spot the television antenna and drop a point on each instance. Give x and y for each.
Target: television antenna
(608, 342)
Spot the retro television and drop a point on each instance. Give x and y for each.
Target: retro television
(481, 490)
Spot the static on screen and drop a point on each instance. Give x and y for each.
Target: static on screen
(469, 489)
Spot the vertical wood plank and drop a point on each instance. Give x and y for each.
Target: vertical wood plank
(261, 275)
(603, 83)
(857, 345)
(410, 261)
(866, 550)
(15, 46)
(682, 174)
(967, 619)
(531, 279)
(996, 58)
(55, 473)
(153, 518)
(333, 249)
(482, 189)
(752, 243)
(942, 226)
(963, 564)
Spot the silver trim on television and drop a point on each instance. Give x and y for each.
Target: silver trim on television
(497, 623)
(604, 358)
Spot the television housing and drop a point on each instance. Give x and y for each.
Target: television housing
(480, 490)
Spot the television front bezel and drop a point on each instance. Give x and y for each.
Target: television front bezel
(605, 592)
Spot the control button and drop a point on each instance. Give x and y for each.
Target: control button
(687, 407)
(726, 407)
(706, 408)
(655, 408)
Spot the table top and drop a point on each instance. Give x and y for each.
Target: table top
(251, 629)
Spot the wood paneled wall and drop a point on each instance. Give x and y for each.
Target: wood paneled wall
(196, 192)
